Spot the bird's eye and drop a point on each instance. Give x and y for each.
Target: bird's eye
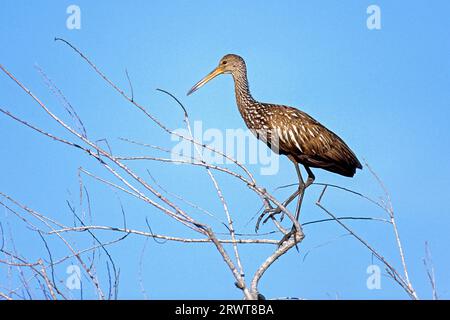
(224, 62)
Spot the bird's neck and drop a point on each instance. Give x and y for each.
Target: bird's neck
(244, 99)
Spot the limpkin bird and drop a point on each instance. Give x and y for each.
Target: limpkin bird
(287, 130)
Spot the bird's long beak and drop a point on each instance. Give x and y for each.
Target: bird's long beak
(211, 75)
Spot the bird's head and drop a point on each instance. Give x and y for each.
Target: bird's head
(230, 63)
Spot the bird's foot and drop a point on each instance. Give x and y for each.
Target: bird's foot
(286, 237)
(296, 234)
(271, 212)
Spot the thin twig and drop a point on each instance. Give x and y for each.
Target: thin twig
(391, 270)
(390, 210)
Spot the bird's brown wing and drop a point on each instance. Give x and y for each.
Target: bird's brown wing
(312, 144)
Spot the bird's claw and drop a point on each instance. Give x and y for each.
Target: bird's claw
(298, 236)
(286, 237)
(270, 212)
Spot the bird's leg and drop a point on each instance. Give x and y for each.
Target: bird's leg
(274, 211)
(305, 185)
(271, 211)
(301, 189)
(311, 177)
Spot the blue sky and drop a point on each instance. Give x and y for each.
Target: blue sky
(385, 92)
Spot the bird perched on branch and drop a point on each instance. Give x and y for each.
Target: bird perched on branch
(287, 131)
